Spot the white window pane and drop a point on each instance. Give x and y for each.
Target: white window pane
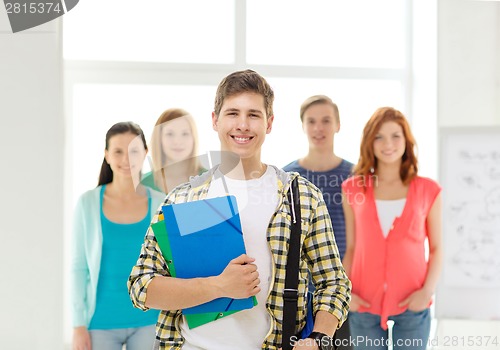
(97, 107)
(195, 31)
(355, 33)
(143, 104)
(356, 99)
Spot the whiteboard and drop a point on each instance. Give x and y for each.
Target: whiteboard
(470, 177)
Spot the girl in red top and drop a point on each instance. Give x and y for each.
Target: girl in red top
(391, 214)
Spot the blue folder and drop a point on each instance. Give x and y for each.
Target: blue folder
(204, 237)
(193, 320)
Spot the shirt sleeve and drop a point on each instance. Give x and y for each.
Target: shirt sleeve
(348, 189)
(333, 288)
(434, 189)
(79, 268)
(150, 264)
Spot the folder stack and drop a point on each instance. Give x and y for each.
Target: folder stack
(199, 239)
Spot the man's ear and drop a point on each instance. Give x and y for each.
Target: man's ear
(214, 121)
(270, 120)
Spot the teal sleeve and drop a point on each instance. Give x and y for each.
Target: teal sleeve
(79, 268)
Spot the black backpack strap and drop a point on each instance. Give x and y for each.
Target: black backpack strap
(291, 293)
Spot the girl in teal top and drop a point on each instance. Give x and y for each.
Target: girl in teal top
(109, 227)
(174, 151)
(113, 307)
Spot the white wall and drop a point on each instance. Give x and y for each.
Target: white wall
(423, 78)
(468, 95)
(468, 62)
(31, 205)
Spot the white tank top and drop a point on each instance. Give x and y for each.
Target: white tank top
(388, 210)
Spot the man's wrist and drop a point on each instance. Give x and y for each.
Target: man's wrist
(214, 288)
(324, 341)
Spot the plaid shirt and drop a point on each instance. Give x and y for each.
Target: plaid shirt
(319, 255)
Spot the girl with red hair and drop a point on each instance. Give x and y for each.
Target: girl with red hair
(391, 214)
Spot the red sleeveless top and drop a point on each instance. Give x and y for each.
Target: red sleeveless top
(385, 271)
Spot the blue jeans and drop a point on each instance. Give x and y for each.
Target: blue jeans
(140, 338)
(410, 332)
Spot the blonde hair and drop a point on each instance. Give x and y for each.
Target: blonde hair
(159, 159)
(316, 100)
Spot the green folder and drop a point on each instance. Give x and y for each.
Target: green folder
(193, 320)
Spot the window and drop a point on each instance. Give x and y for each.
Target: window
(129, 60)
(357, 99)
(96, 107)
(357, 33)
(194, 31)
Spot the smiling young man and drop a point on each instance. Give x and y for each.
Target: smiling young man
(324, 168)
(321, 165)
(242, 117)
